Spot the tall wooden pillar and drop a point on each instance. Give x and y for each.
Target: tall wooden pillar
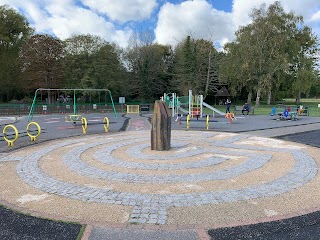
(161, 127)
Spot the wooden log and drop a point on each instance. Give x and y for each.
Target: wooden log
(161, 127)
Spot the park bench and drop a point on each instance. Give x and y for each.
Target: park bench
(144, 108)
(239, 109)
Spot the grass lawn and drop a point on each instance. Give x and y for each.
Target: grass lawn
(314, 110)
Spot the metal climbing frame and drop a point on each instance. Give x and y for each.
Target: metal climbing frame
(74, 99)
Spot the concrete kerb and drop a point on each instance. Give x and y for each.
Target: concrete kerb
(8, 120)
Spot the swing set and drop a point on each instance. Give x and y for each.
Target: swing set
(75, 116)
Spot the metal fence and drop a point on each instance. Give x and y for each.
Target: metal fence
(24, 109)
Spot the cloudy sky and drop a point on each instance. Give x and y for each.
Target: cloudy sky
(169, 20)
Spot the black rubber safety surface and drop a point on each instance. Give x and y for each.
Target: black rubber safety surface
(17, 226)
(297, 228)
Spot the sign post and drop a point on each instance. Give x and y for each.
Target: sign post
(122, 100)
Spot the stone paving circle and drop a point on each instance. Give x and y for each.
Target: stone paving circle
(206, 178)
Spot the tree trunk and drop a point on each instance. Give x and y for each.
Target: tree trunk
(208, 76)
(269, 98)
(249, 97)
(258, 97)
(49, 97)
(298, 99)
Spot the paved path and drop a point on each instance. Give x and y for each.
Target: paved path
(208, 180)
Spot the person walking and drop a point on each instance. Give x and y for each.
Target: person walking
(228, 104)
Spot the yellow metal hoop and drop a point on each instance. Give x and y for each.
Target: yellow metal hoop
(106, 124)
(207, 122)
(10, 142)
(33, 137)
(84, 125)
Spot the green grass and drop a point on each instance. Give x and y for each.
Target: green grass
(314, 110)
(82, 229)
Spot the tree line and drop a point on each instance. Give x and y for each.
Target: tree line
(273, 57)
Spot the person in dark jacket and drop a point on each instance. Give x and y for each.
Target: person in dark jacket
(246, 108)
(228, 104)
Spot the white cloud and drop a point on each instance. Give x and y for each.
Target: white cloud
(63, 19)
(195, 18)
(315, 17)
(199, 19)
(123, 10)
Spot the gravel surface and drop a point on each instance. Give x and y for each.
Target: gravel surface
(17, 226)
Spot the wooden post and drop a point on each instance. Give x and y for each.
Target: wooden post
(161, 127)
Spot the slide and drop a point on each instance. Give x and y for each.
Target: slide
(183, 110)
(212, 108)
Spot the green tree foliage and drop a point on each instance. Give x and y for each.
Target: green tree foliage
(40, 61)
(91, 62)
(195, 67)
(263, 52)
(303, 55)
(78, 59)
(14, 29)
(149, 67)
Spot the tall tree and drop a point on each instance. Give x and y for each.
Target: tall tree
(41, 62)
(78, 59)
(91, 62)
(14, 30)
(149, 67)
(195, 67)
(262, 51)
(303, 54)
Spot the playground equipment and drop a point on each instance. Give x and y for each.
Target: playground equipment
(207, 121)
(286, 112)
(70, 118)
(135, 109)
(16, 133)
(194, 104)
(84, 124)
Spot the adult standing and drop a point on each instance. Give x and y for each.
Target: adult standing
(228, 104)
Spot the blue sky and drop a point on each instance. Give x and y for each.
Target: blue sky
(170, 21)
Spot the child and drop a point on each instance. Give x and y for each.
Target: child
(178, 119)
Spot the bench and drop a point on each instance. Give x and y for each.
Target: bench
(239, 109)
(144, 108)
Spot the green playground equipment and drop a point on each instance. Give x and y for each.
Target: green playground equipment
(74, 90)
(190, 105)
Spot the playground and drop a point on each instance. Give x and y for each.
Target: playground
(226, 175)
